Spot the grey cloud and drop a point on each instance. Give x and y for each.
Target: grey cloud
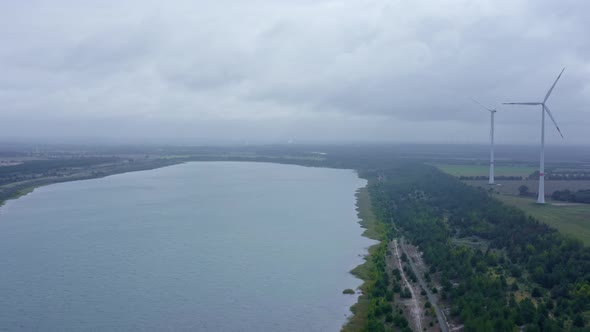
(282, 69)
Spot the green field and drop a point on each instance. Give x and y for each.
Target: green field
(510, 187)
(570, 220)
(484, 170)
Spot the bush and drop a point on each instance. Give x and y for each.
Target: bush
(406, 294)
(389, 317)
(578, 321)
(389, 295)
(515, 271)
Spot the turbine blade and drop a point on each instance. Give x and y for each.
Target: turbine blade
(522, 103)
(477, 102)
(553, 86)
(552, 119)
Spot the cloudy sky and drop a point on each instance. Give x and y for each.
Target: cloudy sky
(304, 70)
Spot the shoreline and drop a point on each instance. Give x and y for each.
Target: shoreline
(17, 190)
(372, 230)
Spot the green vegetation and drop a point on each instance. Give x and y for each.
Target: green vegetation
(570, 220)
(18, 180)
(52, 167)
(484, 170)
(512, 187)
(371, 270)
(523, 190)
(528, 276)
(348, 291)
(374, 311)
(580, 196)
(373, 228)
(16, 194)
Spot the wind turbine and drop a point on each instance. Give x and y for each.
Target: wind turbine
(492, 112)
(544, 109)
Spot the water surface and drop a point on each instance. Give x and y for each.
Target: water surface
(210, 246)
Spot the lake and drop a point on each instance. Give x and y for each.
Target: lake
(203, 246)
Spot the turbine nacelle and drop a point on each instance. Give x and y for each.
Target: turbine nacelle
(487, 108)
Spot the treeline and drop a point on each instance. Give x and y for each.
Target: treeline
(580, 196)
(433, 210)
(43, 166)
(563, 175)
(36, 169)
(105, 168)
(481, 177)
(380, 290)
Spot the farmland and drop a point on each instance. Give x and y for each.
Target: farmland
(484, 170)
(571, 220)
(510, 187)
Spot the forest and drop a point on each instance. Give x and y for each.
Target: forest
(527, 276)
(32, 169)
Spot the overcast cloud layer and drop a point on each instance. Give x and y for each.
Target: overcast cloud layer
(304, 70)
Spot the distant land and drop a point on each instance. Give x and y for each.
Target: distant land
(454, 253)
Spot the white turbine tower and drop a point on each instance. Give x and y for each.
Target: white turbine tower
(492, 112)
(544, 108)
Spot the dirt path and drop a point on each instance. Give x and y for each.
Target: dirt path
(416, 311)
(442, 319)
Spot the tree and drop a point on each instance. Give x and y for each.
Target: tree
(578, 321)
(523, 190)
(406, 294)
(527, 310)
